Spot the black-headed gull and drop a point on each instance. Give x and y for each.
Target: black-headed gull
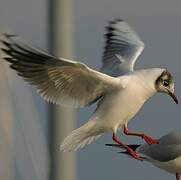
(165, 155)
(121, 92)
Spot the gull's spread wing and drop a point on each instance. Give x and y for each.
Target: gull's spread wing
(169, 148)
(162, 153)
(58, 80)
(123, 46)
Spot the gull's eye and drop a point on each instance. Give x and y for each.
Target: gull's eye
(165, 83)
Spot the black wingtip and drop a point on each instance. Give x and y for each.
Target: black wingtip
(9, 35)
(9, 59)
(119, 20)
(6, 51)
(132, 146)
(109, 35)
(116, 21)
(114, 145)
(5, 43)
(109, 28)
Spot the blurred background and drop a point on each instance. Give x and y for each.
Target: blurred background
(31, 130)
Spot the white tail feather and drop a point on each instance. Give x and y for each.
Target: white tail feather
(80, 137)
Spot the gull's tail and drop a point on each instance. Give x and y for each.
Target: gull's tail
(80, 137)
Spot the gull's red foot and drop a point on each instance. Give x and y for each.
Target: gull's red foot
(134, 154)
(129, 151)
(149, 140)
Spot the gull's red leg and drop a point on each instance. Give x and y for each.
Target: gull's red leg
(129, 150)
(177, 176)
(147, 138)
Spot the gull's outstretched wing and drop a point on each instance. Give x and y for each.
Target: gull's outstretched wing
(123, 46)
(58, 80)
(169, 148)
(160, 152)
(173, 138)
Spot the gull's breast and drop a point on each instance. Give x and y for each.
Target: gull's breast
(118, 108)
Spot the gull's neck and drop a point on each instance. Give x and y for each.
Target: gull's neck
(146, 79)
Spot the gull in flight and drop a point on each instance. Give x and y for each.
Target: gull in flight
(119, 90)
(166, 155)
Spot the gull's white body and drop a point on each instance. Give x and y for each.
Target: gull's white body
(172, 166)
(116, 109)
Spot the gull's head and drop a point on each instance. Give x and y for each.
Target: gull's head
(165, 84)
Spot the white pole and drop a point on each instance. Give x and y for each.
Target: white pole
(60, 44)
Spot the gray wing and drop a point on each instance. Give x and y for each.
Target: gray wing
(173, 138)
(58, 80)
(123, 46)
(161, 152)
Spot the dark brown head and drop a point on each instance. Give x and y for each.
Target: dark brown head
(165, 84)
